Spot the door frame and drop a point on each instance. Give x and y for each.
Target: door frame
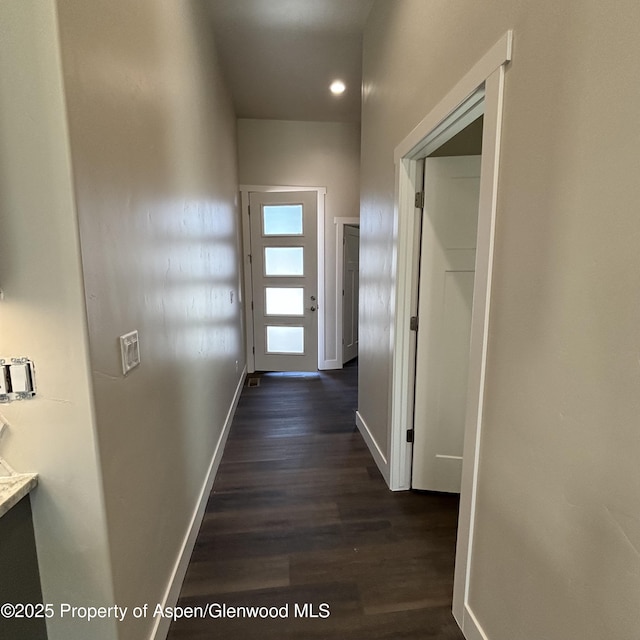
(245, 190)
(340, 225)
(479, 91)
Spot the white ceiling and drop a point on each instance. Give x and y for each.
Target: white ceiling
(279, 56)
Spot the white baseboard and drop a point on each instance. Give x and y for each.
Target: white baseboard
(378, 456)
(161, 626)
(471, 628)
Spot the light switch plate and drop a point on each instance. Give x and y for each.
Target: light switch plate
(17, 379)
(129, 351)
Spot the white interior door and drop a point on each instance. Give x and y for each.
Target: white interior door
(350, 286)
(447, 269)
(284, 280)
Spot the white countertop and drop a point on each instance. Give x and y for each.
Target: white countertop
(14, 486)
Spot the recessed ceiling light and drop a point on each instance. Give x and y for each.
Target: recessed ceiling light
(337, 87)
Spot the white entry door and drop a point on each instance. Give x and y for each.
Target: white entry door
(447, 270)
(284, 280)
(350, 286)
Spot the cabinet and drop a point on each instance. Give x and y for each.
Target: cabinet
(19, 575)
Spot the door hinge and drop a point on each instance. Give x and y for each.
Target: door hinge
(419, 200)
(410, 433)
(250, 258)
(253, 349)
(252, 305)
(413, 323)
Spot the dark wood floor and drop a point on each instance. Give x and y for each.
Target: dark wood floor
(300, 514)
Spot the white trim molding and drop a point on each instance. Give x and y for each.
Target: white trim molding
(471, 626)
(480, 91)
(321, 192)
(376, 452)
(161, 625)
(474, 79)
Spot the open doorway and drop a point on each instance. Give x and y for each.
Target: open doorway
(350, 292)
(447, 255)
(347, 287)
(479, 92)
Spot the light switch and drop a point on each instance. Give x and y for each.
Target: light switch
(129, 351)
(20, 378)
(17, 379)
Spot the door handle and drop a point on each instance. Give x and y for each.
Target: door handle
(312, 308)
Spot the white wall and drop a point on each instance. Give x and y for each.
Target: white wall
(154, 156)
(317, 154)
(147, 162)
(557, 538)
(42, 316)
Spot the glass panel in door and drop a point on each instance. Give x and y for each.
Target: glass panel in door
(285, 339)
(282, 220)
(284, 261)
(284, 301)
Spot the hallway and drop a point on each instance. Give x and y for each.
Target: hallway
(300, 514)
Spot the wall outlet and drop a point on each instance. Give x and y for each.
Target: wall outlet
(129, 351)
